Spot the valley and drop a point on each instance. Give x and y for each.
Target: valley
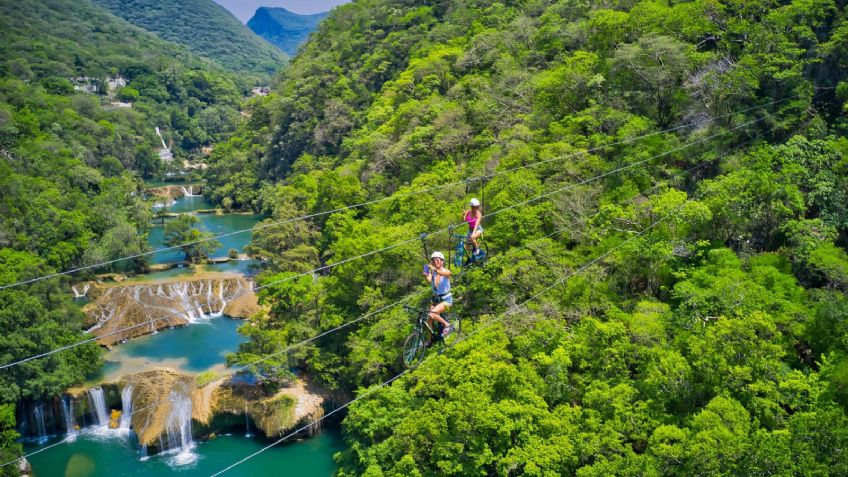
(532, 237)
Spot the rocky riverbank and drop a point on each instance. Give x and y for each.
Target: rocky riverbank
(161, 403)
(173, 192)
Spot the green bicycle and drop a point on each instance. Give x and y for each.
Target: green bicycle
(426, 334)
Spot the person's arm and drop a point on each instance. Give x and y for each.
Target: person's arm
(479, 217)
(444, 271)
(429, 276)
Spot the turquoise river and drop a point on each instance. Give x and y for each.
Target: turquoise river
(195, 348)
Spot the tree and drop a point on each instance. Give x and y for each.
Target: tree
(195, 244)
(651, 72)
(9, 447)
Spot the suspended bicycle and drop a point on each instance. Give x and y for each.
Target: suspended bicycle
(463, 255)
(426, 334)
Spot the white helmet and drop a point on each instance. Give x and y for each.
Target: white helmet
(437, 255)
(475, 202)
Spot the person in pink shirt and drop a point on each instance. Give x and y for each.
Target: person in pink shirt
(474, 218)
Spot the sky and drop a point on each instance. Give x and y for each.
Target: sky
(244, 9)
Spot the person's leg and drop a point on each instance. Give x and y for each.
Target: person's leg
(474, 238)
(436, 313)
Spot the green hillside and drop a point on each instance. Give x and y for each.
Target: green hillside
(709, 338)
(206, 28)
(71, 170)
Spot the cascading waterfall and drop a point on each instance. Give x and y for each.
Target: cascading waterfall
(38, 419)
(188, 192)
(83, 293)
(68, 415)
(178, 429)
(315, 426)
(98, 402)
(126, 407)
(220, 312)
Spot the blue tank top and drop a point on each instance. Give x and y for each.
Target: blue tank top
(444, 284)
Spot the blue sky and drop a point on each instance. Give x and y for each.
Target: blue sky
(244, 9)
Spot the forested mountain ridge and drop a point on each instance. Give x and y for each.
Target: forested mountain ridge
(206, 28)
(81, 92)
(710, 344)
(283, 28)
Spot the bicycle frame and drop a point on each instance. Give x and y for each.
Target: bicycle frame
(423, 321)
(462, 249)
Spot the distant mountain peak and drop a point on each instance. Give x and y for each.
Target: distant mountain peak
(206, 28)
(283, 28)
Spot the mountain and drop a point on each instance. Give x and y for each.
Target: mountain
(206, 28)
(283, 28)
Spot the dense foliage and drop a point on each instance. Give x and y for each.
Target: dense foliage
(71, 170)
(283, 28)
(206, 28)
(51, 43)
(712, 343)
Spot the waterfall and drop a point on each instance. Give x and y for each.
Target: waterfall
(68, 414)
(83, 293)
(220, 297)
(315, 426)
(98, 402)
(126, 407)
(178, 429)
(38, 418)
(247, 422)
(188, 192)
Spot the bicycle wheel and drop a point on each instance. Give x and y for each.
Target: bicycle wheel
(414, 349)
(452, 338)
(482, 255)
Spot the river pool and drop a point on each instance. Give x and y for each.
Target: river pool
(116, 456)
(195, 348)
(191, 349)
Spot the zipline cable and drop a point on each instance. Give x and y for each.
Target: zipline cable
(489, 323)
(384, 249)
(503, 315)
(383, 199)
(229, 372)
(238, 369)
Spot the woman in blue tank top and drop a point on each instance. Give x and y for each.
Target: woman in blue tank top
(438, 276)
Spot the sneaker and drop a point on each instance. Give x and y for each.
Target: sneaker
(448, 330)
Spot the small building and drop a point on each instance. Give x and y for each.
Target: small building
(116, 82)
(84, 84)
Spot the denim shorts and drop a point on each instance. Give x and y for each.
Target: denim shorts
(447, 298)
(479, 228)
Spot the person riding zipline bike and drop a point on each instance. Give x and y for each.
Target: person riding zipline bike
(438, 276)
(474, 218)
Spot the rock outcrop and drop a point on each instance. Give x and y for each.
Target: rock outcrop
(120, 312)
(272, 414)
(217, 406)
(171, 192)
